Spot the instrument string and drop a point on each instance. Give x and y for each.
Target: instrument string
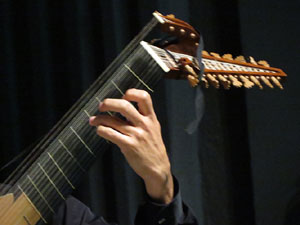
(38, 174)
(36, 152)
(25, 165)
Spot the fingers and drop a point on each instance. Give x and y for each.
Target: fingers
(142, 98)
(121, 106)
(113, 122)
(112, 135)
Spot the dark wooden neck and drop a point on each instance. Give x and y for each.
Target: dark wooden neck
(69, 153)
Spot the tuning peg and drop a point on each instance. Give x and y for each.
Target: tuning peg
(266, 81)
(213, 80)
(227, 56)
(252, 60)
(215, 55)
(255, 81)
(247, 82)
(206, 85)
(190, 70)
(263, 63)
(205, 53)
(240, 58)
(226, 83)
(171, 16)
(193, 81)
(276, 82)
(235, 81)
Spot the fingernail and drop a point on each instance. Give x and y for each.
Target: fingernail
(91, 120)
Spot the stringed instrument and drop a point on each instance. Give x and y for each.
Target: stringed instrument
(53, 169)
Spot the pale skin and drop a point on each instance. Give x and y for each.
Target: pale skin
(139, 139)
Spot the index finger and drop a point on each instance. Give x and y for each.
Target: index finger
(121, 106)
(143, 100)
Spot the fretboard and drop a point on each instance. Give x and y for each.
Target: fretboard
(59, 168)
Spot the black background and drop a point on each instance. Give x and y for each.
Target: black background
(241, 167)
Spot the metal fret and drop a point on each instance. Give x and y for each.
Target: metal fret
(69, 152)
(42, 196)
(116, 86)
(58, 191)
(86, 112)
(38, 212)
(137, 77)
(60, 170)
(87, 147)
(26, 220)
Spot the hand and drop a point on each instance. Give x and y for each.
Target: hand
(139, 139)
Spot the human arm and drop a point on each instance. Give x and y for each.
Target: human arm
(139, 139)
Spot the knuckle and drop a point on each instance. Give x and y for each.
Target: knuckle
(144, 95)
(143, 123)
(131, 144)
(140, 134)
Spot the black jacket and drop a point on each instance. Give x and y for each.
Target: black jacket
(73, 212)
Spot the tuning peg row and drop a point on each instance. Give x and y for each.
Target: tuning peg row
(239, 81)
(238, 58)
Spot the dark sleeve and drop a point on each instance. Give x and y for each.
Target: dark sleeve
(74, 212)
(174, 213)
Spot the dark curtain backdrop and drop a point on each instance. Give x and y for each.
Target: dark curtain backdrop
(242, 165)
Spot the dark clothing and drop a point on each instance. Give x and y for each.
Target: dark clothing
(73, 212)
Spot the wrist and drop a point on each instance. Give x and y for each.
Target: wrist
(160, 186)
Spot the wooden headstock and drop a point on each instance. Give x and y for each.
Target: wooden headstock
(188, 37)
(220, 71)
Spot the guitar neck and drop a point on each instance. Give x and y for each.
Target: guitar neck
(57, 171)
